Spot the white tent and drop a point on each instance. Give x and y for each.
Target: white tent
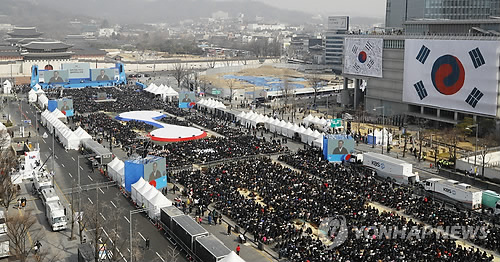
(32, 96)
(280, 129)
(272, 125)
(156, 203)
(287, 129)
(318, 142)
(43, 101)
(7, 87)
(305, 137)
(294, 129)
(232, 257)
(69, 139)
(149, 194)
(136, 187)
(59, 115)
(116, 170)
(82, 134)
(307, 120)
(240, 117)
(38, 89)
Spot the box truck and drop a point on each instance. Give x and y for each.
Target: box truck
(391, 168)
(56, 215)
(455, 191)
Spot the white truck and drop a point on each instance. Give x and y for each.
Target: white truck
(56, 215)
(391, 168)
(42, 181)
(48, 195)
(462, 193)
(4, 238)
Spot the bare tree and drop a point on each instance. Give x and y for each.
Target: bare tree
(211, 63)
(488, 142)
(196, 80)
(286, 92)
(315, 82)
(114, 242)
(230, 85)
(18, 227)
(204, 86)
(179, 73)
(8, 191)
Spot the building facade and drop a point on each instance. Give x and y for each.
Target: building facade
(338, 26)
(387, 91)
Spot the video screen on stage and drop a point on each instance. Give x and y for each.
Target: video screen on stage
(187, 100)
(155, 172)
(103, 74)
(65, 105)
(102, 96)
(54, 76)
(77, 70)
(338, 147)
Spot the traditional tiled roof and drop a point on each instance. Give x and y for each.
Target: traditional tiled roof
(46, 45)
(25, 32)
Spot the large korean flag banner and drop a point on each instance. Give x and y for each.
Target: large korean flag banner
(459, 75)
(363, 56)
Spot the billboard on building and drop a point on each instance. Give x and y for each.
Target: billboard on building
(187, 100)
(454, 74)
(53, 76)
(77, 70)
(338, 148)
(104, 74)
(340, 23)
(363, 56)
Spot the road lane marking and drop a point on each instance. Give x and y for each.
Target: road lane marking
(56, 157)
(107, 235)
(81, 167)
(143, 238)
(90, 201)
(123, 257)
(114, 231)
(103, 218)
(62, 165)
(90, 178)
(127, 221)
(101, 191)
(73, 158)
(113, 203)
(160, 257)
(44, 141)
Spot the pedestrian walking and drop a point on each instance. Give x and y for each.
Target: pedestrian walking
(238, 248)
(228, 229)
(147, 243)
(210, 219)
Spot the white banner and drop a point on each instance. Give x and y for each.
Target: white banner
(452, 74)
(363, 56)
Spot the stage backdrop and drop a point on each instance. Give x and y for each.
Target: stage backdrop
(77, 70)
(187, 100)
(459, 74)
(53, 76)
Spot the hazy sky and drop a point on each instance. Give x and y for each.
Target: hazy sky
(367, 8)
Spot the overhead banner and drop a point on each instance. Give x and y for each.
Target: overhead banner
(459, 75)
(363, 56)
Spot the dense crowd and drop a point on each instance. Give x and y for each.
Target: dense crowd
(276, 197)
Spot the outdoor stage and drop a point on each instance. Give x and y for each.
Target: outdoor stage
(165, 132)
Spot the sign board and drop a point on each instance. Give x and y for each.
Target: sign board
(338, 23)
(336, 123)
(216, 92)
(453, 74)
(28, 122)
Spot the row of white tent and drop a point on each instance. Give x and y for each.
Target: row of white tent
(378, 136)
(211, 103)
(116, 170)
(310, 119)
(281, 127)
(144, 194)
(164, 91)
(70, 139)
(34, 92)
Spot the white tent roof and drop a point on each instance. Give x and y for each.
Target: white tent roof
(232, 257)
(81, 133)
(308, 132)
(317, 134)
(309, 118)
(58, 114)
(7, 83)
(139, 184)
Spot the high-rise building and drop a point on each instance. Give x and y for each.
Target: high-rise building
(436, 16)
(338, 26)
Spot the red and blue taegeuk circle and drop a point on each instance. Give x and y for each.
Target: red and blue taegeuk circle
(362, 56)
(448, 75)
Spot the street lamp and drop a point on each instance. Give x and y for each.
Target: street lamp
(130, 236)
(383, 125)
(475, 151)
